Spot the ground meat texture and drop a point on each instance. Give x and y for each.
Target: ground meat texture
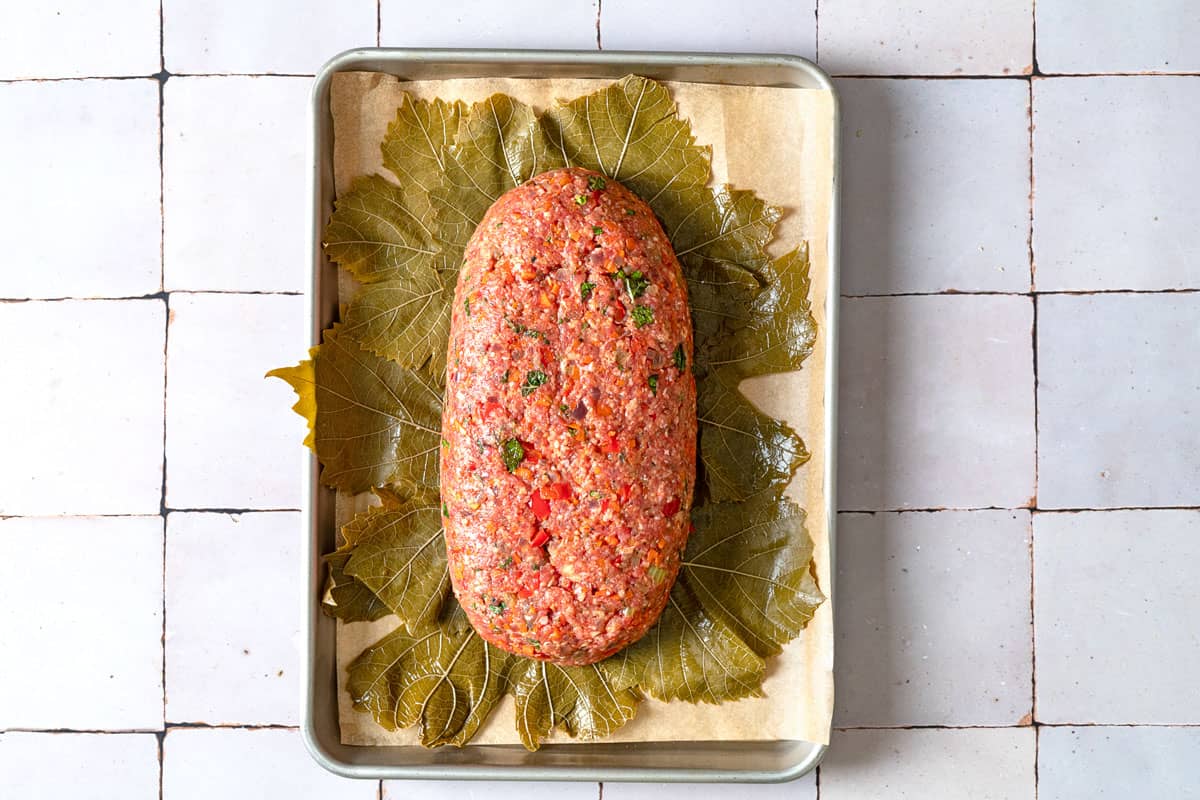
(569, 431)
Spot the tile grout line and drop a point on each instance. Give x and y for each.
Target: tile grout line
(379, 43)
(599, 46)
(817, 60)
(159, 295)
(161, 79)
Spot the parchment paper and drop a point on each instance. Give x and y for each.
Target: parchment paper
(776, 141)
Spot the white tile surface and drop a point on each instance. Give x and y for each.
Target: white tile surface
(241, 764)
(934, 625)
(569, 24)
(935, 186)
(233, 668)
(767, 26)
(85, 615)
(975, 763)
(96, 766)
(1118, 400)
(802, 789)
(1103, 36)
(936, 403)
(78, 38)
(79, 216)
(263, 36)
(926, 37)
(1115, 615)
(235, 186)
(1117, 176)
(489, 790)
(1146, 763)
(82, 408)
(232, 440)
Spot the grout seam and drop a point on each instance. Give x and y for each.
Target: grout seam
(599, 46)
(1037, 293)
(159, 295)
(379, 43)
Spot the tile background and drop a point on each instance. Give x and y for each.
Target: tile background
(1020, 391)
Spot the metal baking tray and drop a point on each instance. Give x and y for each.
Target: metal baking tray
(743, 762)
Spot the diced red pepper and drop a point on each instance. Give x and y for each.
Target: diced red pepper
(556, 491)
(541, 507)
(526, 592)
(531, 455)
(618, 312)
(612, 445)
(671, 507)
(608, 505)
(490, 407)
(623, 493)
(539, 538)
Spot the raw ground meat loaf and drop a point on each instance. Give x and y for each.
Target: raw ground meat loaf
(569, 430)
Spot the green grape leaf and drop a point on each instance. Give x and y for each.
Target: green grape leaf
(406, 320)
(400, 557)
(688, 655)
(414, 149)
(742, 450)
(377, 234)
(350, 600)
(500, 144)
(631, 132)
(377, 422)
(445, 680)
(779, 330)
(725, 224)
(580, 700)
(720, 295)
(749, 565)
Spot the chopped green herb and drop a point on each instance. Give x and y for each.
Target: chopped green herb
(526, 331)
(595, 494)
(533, 379)
(597, 230)
(497, 606)
(585, 290)
(445, 511)
(653, 382)
(562, 409)
(504, 377)
(643, 316)
(629, 212)
(580, 199)
(445, 443)
(635, 282)
(596, 182)
(656, 572)
(467, 305)
(506, 563)
(513, 454)
(680, 358)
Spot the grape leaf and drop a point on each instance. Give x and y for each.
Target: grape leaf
(724, 224)
(748, 564)
(376, 422)
(350, 600)
(303, 381)
(580, 700)
(444, 679)
(779, 330)
(719, 295)
(742, 450)
(688, 655)
(414, 149)
(400, 557)
(631, 132)
(377, 234)
(406, 320)
(500, 144)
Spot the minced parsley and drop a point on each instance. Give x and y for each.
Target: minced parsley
(680, 358)
(580, 199)
(533, 379)
(653, 383)
(445, 511)
(497, 606)
(513, 454)
(585, 290)
(597, 230)
(635, 282)
(506, 563)
(596, 182)
(643, 316)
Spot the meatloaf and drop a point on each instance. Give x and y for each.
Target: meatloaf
(569, 430)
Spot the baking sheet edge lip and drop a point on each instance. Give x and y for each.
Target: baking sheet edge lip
(355, 58)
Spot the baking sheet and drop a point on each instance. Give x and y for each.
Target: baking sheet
(777, 141)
